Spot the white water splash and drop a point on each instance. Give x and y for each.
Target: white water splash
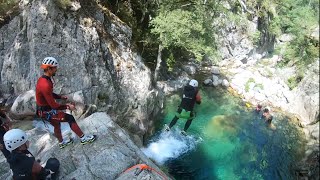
(170, 145)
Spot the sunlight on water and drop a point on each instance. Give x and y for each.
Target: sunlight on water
(236, 143)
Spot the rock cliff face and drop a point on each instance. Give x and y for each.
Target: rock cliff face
(94, 52)
(107, 158)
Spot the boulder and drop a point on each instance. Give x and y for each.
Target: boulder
(24, 105)
(225, 83)
(207, 82)
(111, 154)
(94, 54)
(215, 70)
(190, 69)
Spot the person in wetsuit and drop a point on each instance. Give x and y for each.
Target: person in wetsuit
(22, 162)
(267, 116)
(50, 110)
(190, 96)
(5, 125)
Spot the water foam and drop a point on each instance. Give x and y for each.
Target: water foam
(170, 145)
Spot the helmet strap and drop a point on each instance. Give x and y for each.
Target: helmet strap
(52, 80)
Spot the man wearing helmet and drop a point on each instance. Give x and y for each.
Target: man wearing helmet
(189, 98)
(22, 162)
(50, 110)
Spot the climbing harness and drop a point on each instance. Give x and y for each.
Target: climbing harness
(51, 113)
(43, 114)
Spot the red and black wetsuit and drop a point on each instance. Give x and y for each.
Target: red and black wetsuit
(45, 99)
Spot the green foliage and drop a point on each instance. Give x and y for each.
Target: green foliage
(6, 6)
(187, 27)
(247, 85)
(293, 81)
(251, 80)
(64, 4)
(299, 18)
(170, 62)
(259, 85)
(255, 37)
(296, 17)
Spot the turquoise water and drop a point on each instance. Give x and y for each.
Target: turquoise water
(226, 140)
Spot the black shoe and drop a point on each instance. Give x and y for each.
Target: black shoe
(166, 128)
(184, 133)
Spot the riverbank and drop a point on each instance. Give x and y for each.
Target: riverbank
(260, 81)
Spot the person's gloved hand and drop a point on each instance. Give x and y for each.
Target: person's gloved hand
(71, 106)
(64, 97)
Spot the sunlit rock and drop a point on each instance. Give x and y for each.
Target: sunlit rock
(111, 154)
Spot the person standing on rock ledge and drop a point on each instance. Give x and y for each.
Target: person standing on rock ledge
(190, 96)
(50, 110)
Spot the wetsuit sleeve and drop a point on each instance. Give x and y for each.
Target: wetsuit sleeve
(48, 95)
(198, 98)
(56, 96)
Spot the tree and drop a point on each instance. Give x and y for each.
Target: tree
(186, 25)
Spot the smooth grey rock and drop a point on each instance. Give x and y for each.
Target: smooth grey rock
(95, 58)
(207, 82)
(112, 153)
(190, 69)
(215, 70)
(225, 83)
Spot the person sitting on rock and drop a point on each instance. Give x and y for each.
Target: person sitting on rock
(50, 110)
(5, 125)
(190, 96)
(22, 162)
(267, 116)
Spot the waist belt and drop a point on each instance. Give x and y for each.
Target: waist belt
(46, 112)
(43, 108)
(51, 113)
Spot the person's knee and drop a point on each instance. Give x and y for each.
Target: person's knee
(70, 118)
(53, 164)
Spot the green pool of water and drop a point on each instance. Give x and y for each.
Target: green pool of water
(235, 142)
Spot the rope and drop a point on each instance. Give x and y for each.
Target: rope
(142, 167)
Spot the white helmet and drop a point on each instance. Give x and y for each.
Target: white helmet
(14, 138)
(193, 83)
(49, 62)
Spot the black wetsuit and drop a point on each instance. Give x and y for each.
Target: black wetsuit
(190, 96)
(5, 152)
(21, 164)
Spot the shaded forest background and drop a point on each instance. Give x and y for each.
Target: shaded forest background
(174, 31)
